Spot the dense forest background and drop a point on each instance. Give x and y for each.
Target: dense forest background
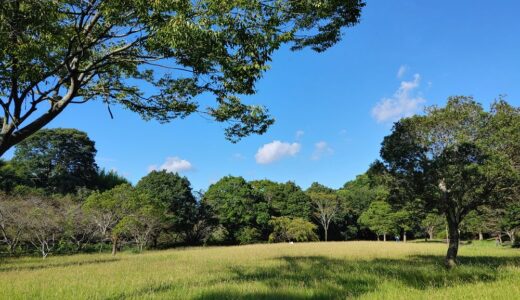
(55, 199)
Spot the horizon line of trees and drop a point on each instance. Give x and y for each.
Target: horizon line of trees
(162, 211)
(452, 173)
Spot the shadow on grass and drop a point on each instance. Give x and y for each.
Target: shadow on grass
(318, 277)
(46, 265)
(140, 293)
(430, 242)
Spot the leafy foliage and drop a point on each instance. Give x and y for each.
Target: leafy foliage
(379, 218)
(449, 159)
(284, 199)
(286, 229)
(326, 205)
(59, 160)
(171, 194)
(69, 52)
(237, 205)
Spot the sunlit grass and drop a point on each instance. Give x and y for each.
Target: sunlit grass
(336, 270)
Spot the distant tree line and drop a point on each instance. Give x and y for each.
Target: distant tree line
(452, 173)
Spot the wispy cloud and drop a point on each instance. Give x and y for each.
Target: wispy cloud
(404, 103)
(402, 70)
(276, 150)
(320, 149)
(173, 164)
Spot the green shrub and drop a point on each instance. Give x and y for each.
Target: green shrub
(248, 235)
(286, 230)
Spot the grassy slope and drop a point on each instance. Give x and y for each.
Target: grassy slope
(366, 270)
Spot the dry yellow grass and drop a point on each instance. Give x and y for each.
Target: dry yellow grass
(335, 270)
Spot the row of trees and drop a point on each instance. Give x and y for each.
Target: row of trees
(453, 171)
(162, 211)
(161, 202)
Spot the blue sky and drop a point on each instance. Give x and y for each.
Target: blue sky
(332, 109)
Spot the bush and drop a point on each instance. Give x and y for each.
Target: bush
(301, 230)
(248, 235)
(287, 230)
(218, 236)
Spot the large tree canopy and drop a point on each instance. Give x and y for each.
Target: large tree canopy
(238, 206)
(284, 199)
(58, 160)
(57, 53)
(379, 218)
(452, 159)
(172, 194)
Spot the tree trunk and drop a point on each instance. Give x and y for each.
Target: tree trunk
(384, 237)
(114, 245)
(326, 232)
(447, 235)
(404, 237)
(154, 241)
(453, 244)
(430, 233)
(42, 250)
(511, 235)
(326, 235)
(480, 236)
(378, 237)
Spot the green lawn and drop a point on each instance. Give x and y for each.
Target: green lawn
(335, 270)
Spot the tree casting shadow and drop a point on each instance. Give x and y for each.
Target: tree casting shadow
(332, 278)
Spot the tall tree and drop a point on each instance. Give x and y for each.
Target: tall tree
(237, 206)
(404, 220)
(54, 54)
(444, 158)
(142, 220)
(431, 222)
(326, 204)
(12, 220)
(379, 218)
(107, 209)
(480, 221)
(509, 221)
(59, 160)
(43, 224)
(77, 226)
(172, 194)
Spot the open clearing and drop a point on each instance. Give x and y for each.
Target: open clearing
(334, 270)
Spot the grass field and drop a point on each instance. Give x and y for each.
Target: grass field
(335, 270)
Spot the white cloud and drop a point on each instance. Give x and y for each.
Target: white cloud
(404, 102)
(276, 150)
(299, 134)
(173, 164)
(402, 70)
(320, 149)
